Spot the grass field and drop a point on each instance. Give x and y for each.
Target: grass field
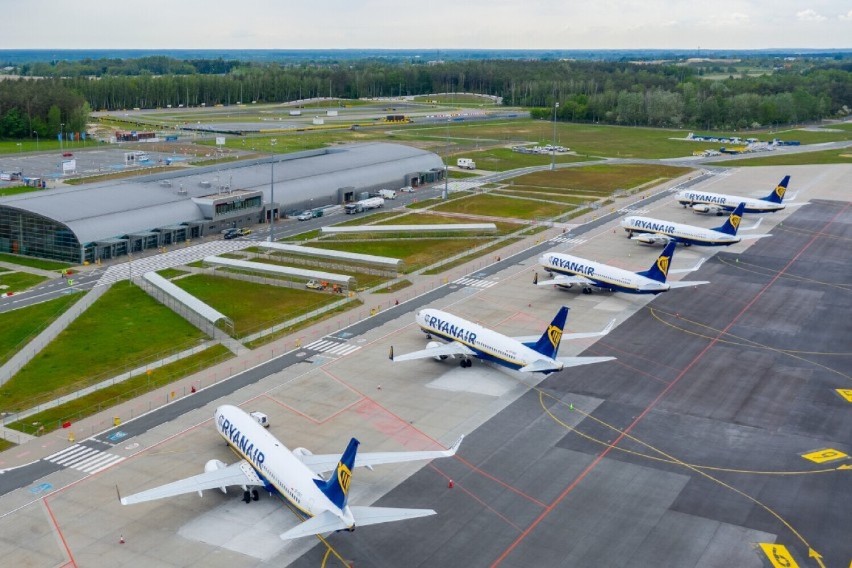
(101, 399)
(19, 281)
(502, 159)
(425, 219)
(503, 206)
(364, 280)
(253, 307)
(602, 178)
(415, 253)
(169, 273)
(33, 262)
(17, 190)
(842, 156)
(21, 325)
(124, 329)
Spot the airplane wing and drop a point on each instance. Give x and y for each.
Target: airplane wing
(685, 270)
(327, 521)
(564, 280)
(544, 365)
(582, 335)
(449, 349)
(240, 473)
(687, 283)
(321, 463)
(652, 239)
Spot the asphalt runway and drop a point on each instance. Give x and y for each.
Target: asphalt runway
(687, 451)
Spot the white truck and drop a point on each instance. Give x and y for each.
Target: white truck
(387, 193)
(372, 203)
(466, 164)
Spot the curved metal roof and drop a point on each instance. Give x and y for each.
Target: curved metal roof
(116, 208)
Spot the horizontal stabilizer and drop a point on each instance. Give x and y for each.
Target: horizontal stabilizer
(526, 339)
(751, 237)
(688, 283)
(752, 227)
(577, 361)
(325, 522)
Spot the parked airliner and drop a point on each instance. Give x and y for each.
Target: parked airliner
(720, 203)
(529, 354)
(655, 231)
(295, 476)
(591, 275)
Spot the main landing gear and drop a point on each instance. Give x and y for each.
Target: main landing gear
(249, 496)
(466, 363)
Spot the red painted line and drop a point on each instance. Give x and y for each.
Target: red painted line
(654, 402)
(61, 536)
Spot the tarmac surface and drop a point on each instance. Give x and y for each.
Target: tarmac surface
(685, 451)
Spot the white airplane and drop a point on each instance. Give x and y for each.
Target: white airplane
(720, 203)
(591, 275)
(529, 354)
(655, 232)
(295, 476)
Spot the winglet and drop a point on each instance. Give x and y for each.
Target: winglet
(118, 493)
(390, 354)
(455, 447)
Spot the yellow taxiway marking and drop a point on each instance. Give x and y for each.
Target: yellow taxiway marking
(825, 455)
(671, 459)
(847, 394)
(778, 555)
(744, 266)
(746, 342)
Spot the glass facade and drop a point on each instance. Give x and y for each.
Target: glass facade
(22, 232)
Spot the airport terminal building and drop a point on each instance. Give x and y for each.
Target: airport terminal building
(109, 219)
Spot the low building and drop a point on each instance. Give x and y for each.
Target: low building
(109, 219)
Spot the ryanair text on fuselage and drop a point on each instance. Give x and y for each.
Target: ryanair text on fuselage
(451, 330)
(640, 224)
(236, 437)
(571, 266)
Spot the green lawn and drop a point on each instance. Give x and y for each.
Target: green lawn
(124, 329)
(19, 281)
(843, 156)
(601, 177)
(502, 159)
(502, 206)
(363, 280)
(16, 190)
(415, 253)
(93, 403)
(23, 324)
(169, 273)
(33, 262)
(253, 307)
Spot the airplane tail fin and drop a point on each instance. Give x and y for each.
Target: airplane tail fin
(336, 488)
(548, 343)
(660, 269)
(777, 194)
(733, 223)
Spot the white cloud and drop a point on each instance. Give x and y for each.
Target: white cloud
(809, 16)
(847, 16)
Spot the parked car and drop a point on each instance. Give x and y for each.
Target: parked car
(306, 216)
(67, 155)
(244, 231)
(314, 285)
(407, 189)
(232, 234)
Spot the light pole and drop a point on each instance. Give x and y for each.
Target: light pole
(553, 144)
(61, 136)
(36, 133)
(272, 198)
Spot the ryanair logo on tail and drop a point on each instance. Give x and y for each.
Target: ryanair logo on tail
(663, 264)
(780, 191)
(344, 476)
(554, 334)
(735, 221)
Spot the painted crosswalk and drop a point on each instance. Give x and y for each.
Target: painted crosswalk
(332, 347)
(632, 211)
(569, 240)
(475, 282)
(84, 458)
(169, 259)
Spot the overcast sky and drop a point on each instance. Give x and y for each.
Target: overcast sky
(444, 24)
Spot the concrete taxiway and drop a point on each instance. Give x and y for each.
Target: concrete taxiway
(686, 451)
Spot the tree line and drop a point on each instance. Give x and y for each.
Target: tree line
(664, 95)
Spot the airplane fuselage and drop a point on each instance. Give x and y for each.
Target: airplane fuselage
(727, 202)
(488, 344)
(276, 465)
(601, 275)
(685, 234)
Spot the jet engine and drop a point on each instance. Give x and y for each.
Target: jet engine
(434, 344)
(213, 465)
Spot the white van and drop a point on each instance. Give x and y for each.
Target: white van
(387, 193)
(466, 163)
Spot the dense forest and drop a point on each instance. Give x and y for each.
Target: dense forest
(611, 92)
